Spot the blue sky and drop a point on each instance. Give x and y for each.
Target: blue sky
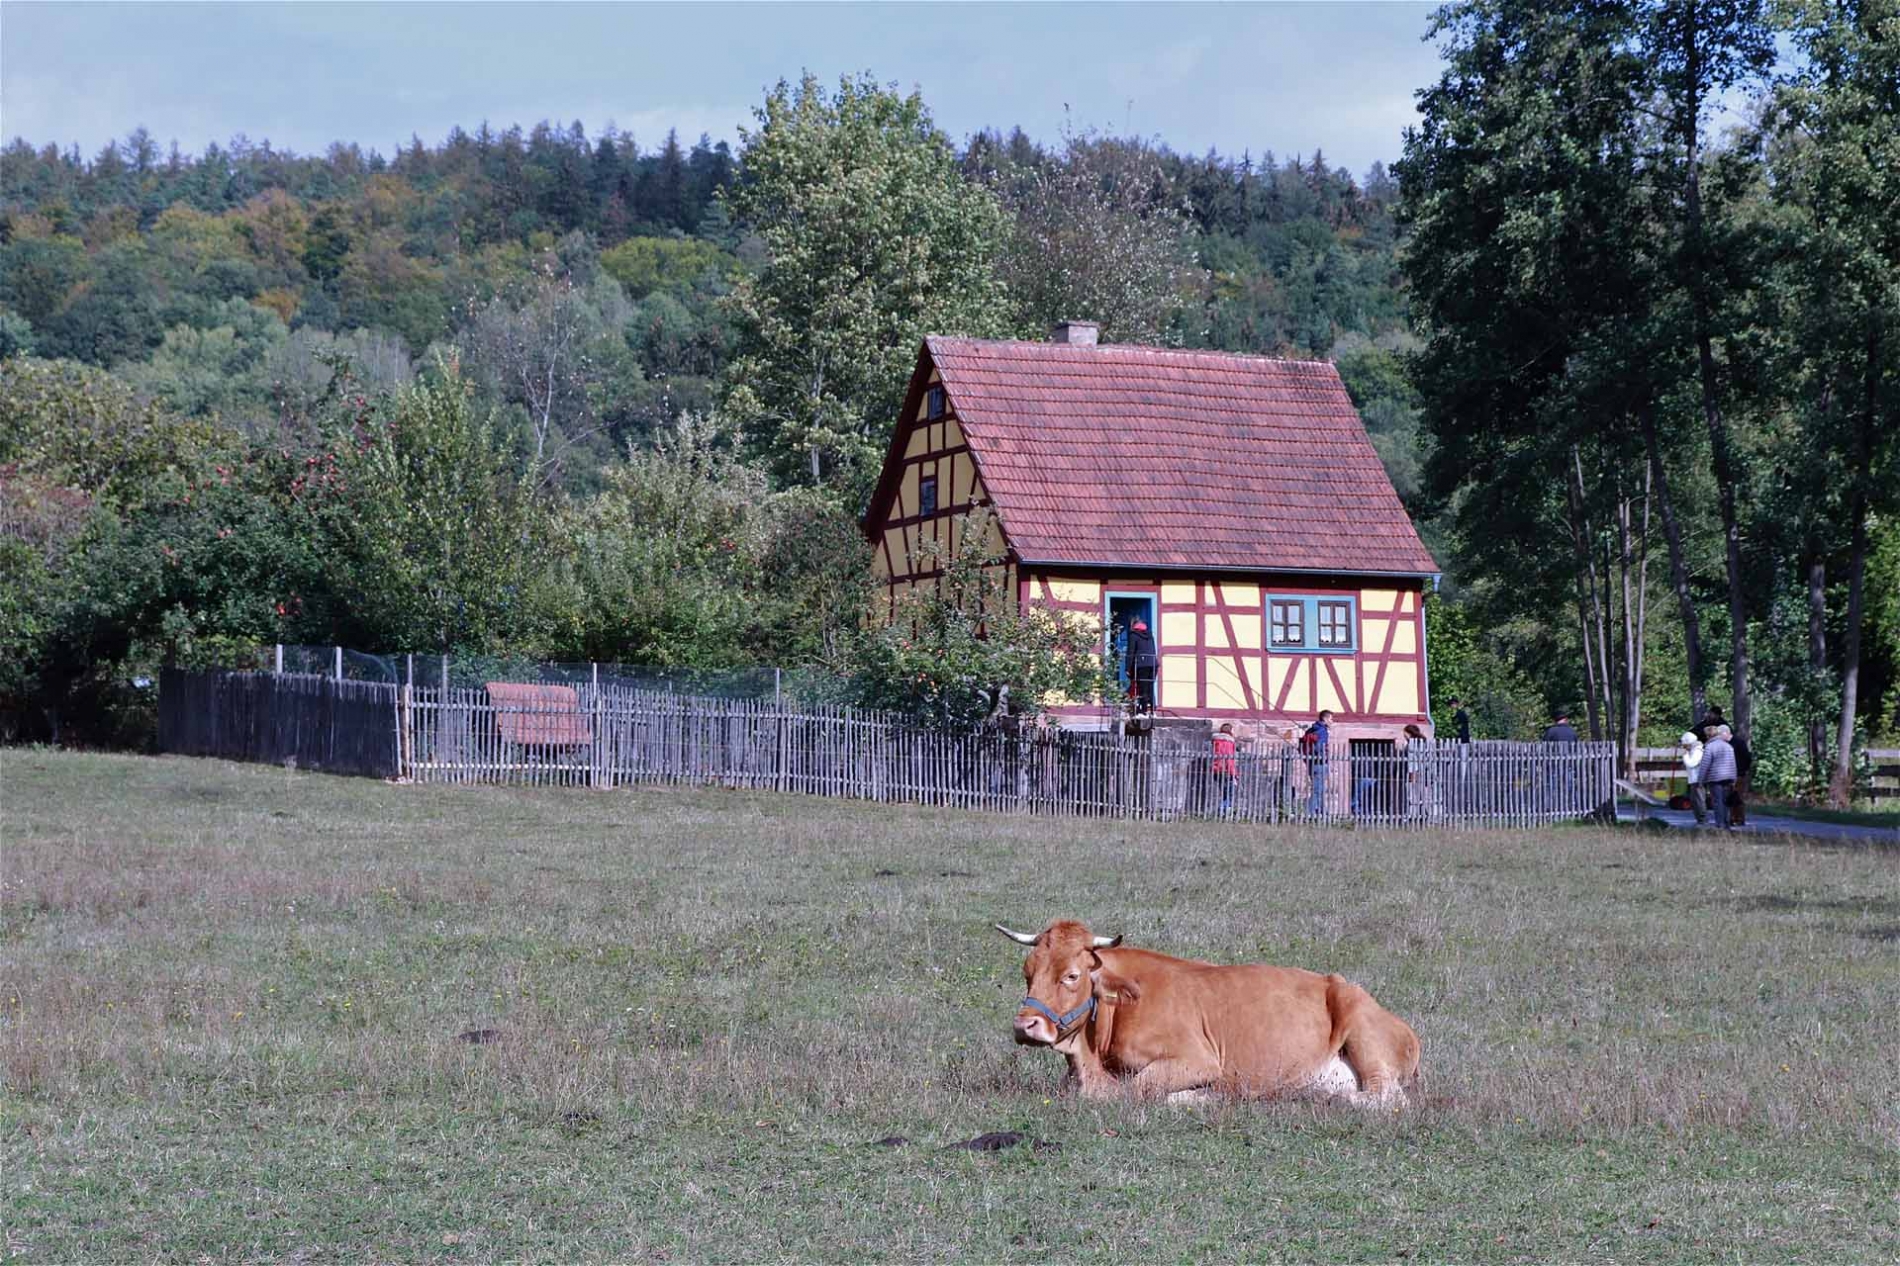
(1286, 77)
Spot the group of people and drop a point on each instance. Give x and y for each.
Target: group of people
(1717, 765)
(1314, 743)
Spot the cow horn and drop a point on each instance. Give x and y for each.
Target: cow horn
(1021, 938)
(1107, 942)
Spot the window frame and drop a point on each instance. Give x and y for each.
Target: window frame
(1309, 606)
(1287, 604)
(1321, 609)
(926, 505)
(936, 402)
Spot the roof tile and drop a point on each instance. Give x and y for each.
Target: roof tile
(1150, 456)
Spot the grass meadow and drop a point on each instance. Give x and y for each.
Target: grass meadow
(233, 999)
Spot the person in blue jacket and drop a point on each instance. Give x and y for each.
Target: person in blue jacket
(1316, 745)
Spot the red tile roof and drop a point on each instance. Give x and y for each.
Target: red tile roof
(1153, 457)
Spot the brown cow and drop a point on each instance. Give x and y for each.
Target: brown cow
(1132, 1019)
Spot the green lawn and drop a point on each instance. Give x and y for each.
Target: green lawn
(232, 998)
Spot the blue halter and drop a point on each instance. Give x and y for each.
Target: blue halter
(1062, 1022)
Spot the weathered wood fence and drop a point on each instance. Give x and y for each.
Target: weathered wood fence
(1661, 768)
(605, 737)
(314, 722)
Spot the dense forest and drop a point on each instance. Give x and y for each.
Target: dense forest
(545, 393)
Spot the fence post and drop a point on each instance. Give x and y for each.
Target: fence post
(595, 773)
(279, 670)
(339, 663)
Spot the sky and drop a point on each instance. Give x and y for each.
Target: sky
(1287, 77)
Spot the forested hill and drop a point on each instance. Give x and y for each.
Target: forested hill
(220, 283)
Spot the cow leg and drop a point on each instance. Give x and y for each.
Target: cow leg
(1166, 1078)
(1191, 1098)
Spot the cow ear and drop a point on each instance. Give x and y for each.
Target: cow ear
(1112, 985)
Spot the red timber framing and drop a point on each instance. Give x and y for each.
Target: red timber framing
(1227, 617)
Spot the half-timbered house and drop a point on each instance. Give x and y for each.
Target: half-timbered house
(1233, 502)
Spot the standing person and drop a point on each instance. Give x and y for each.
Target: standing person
(1316, 746)
(1461, 720)
(1563, 779)
(1693, 760)
(1711, 719)
(1560, 730)
(1718, 775)
(1738, 794)
(1226, 765)
(1141, 664)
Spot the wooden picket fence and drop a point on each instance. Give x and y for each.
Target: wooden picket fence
(302, 719)
(605, 737)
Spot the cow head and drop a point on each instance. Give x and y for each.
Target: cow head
(1061, 976)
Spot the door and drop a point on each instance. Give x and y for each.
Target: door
(1123, 610)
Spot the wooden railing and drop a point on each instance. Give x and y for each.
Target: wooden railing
(616, 737)
(1660, 769)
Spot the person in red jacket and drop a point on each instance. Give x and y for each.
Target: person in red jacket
(1226, 765)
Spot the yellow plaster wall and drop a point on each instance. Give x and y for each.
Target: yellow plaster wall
(1251, 665)
(1400, 692)
(1300, 698)
(1240, 595)
(1214, 632)
(918, 443)
(1075, 590)
(1372, 631)
(1223, 683)
(900, 557)
(1328, 696)
(952, 433)
(907, 494)
(1178, 681)
(1377, 599)
(1405, 637)
(1246, 631)
(1177, 628)
(959, 489)
(1175, 592)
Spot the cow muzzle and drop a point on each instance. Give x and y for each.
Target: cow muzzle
(1037, 1023)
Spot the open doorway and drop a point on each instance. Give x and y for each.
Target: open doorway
(1123, 610)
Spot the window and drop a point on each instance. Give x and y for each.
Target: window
(1302, 622)
(1288, 623)
(1335, 625)
(927, 495)
(933, 403)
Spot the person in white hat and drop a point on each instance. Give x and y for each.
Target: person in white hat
(1692, 767)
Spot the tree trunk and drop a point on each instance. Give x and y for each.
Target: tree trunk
(1840, 789)
(1724, 459)
(1817, 658)
(1589, 611)
(1678, 570)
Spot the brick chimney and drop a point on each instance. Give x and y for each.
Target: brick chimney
(1076, 333)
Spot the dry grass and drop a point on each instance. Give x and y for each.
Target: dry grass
(232, 999)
